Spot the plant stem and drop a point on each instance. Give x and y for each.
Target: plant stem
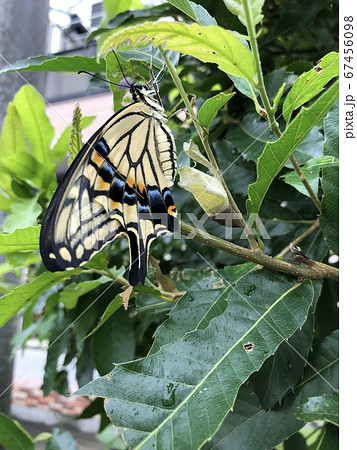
(204, 139)
(299, 239)
(268, 111)
(307, 185)
(314, 271)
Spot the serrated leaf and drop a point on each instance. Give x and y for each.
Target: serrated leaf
(60, 149)
(210, 108)
(255, 10)
(37, 127)
(208, 44)
(23, 295)
(194, 11)
(188, 387)
(251, 424)
(324, 407)
(75, 141)
(207, 190)
(20, 240)
(311, 83)
(52, 63)
(329, 219)
(13, 436)
(276, 154)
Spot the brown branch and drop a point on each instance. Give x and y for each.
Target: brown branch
(313, 271)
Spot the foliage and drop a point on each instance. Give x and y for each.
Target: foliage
(212, 348)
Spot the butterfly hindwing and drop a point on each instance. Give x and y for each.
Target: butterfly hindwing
(117, 185)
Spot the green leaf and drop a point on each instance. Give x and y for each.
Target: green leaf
(255, 10)
(114, 75)
(194, 11)
(114, 342)
(250, 136)
(311, 83)
(329, 219)
(276, 154)
(24, 166)
(38, 129)
(189, 386)
(323, 407)
(13, 138)
(22, 295)
(13, 436)
(208, 295)
(113, 306)
(208, 44)
(61, 439)
(250, 424)
(281, 372)
(310, 147)
(20, 240)
(210, 108)
(52, 63)
(57, 345)
(75, 141)
(311, 175)
(113, 8)
(24, 214)
(70, 294)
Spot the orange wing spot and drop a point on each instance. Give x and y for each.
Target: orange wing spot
(114, 205)
(172, 211)
(141, 187)
(101, 185)
(130, 182)
(97, 159)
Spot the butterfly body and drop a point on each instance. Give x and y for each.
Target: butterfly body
(118, 185)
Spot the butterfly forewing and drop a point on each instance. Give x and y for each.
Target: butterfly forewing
(116, 186)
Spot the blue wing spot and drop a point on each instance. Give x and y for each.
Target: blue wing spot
(106, 172)
(116, 190)
(102, 148)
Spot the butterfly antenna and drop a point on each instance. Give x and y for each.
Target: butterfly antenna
(121, 68)
(100, 78)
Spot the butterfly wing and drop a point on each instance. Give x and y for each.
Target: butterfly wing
(117, 185)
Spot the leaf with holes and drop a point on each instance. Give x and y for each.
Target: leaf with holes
(182, 393)
(322, 407)
(310, 84)
(250, 424)
(208, 44)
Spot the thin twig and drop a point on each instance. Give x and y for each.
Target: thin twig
(299, 239)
